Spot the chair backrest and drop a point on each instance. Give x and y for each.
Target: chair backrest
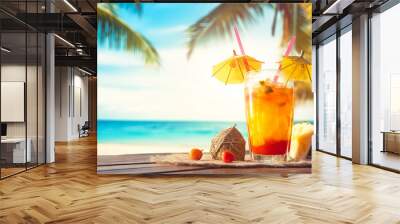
(86, 124)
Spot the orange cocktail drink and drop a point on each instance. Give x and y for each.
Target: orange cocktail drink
(269, 111)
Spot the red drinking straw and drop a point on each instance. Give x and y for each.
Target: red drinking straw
(238, 39)
(287, 52)
(241, 46)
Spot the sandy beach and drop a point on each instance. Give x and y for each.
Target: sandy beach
(121, 149)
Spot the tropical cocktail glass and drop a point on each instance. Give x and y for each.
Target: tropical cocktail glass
(269, 112)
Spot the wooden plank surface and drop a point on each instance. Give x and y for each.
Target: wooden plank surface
(142, 164)
(152, 169)
(105, 160)
(250, 171)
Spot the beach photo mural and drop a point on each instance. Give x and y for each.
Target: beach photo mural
(204, 88)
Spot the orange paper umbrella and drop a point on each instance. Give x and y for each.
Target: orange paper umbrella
(234, 69)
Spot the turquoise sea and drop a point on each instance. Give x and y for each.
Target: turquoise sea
(162, 132)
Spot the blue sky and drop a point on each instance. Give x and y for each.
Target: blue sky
(180, 89)
(164, 24)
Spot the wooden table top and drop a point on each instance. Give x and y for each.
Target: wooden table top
(140, 164)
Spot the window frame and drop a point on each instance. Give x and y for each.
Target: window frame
(334, 37)
(381, 9)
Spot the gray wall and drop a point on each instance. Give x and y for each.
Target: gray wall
(71, 102)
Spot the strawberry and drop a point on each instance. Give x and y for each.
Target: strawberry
(228, 156)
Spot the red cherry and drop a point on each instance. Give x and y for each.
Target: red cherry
(228, 156)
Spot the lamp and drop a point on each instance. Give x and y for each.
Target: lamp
(70, 5)
(84, 71)
(64, 40)
(5, 50)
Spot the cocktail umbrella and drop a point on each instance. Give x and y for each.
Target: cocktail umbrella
(296, 68)
(234, 69)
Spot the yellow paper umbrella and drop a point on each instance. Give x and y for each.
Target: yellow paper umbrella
(234, 69)
(296, 68)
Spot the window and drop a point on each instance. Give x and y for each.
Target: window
(385, 89)
(22, 77)
(327, 96)
(346, 94)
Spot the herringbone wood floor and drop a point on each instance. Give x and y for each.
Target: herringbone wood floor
(70, 191)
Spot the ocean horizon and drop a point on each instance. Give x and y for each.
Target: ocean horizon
(144, 132)
(164, 131)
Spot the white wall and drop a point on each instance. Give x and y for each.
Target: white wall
(71, 94)
(14, 73)
(17, 73)
(80, 110)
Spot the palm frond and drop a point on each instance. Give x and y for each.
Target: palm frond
(303, 91)
(303, 30)
(297, 22)
(273, 27)
(114, 7)
(220, 21)
(117, 34)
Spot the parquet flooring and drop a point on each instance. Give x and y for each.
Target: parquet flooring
(70, 191)
(10, 171)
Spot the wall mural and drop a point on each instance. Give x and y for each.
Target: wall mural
(196, 88)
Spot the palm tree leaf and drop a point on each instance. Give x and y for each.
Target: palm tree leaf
(285, 10)
(287, 27)
(125, 6)
(303, 43)
(303, 91)
(303, 30)
(220, 21)
(117, 34)
(297, 21)
(274, 21)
